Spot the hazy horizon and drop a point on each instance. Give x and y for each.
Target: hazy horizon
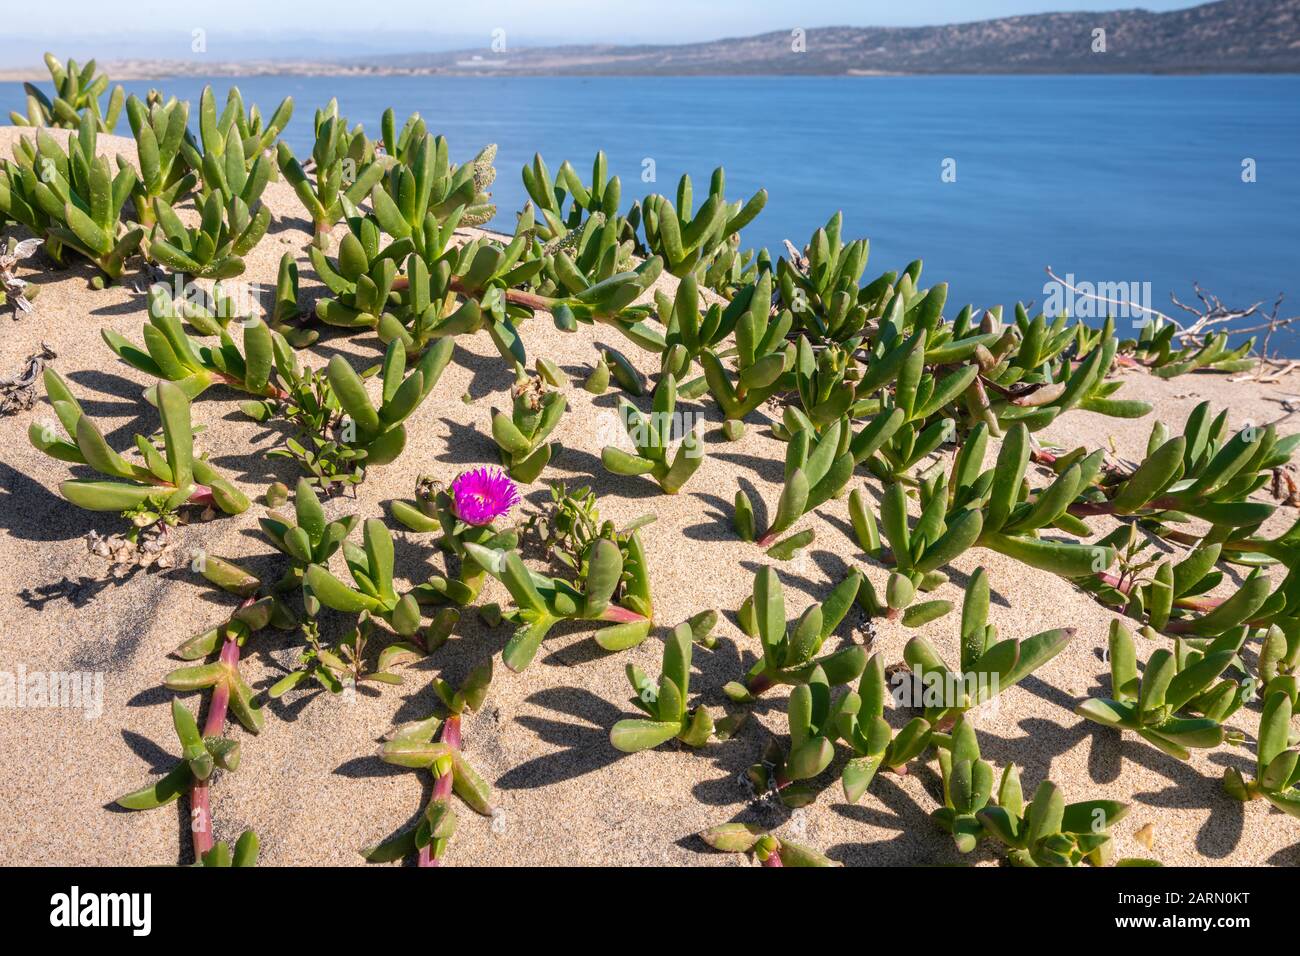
(283, 30)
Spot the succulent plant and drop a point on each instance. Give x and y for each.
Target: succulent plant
(813, 722)
(817, 468)
(664, 702)
(1050, 832)
(769, 850)
(790, 655)
(346, 170)
(821, 286)
(975, 507)
(425, 182)
(235, 135)
(968, 786)
(434, 510)
(308, 538)
(173, 356)
(687, 238)
(371, 567)
(160, 130)
(1155, 349)
(412, 745)
(599, 201)
(987, 666)
(72, 198)
(199, 757)
(761, 354)
(1174, 598)
(521, 437)
(651, 436)
(168, 479)
(1182, 681)
(227, 231)
(244, 854)
(860, 722)
(286, 317)
(1277, 764)
(1202, 473)
(77, 90)
(571, 522)
(1036, 375)
(342, 665)
(379, 432)
(614, 588)
(204, 751)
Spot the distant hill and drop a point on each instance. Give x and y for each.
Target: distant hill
(1229, 36)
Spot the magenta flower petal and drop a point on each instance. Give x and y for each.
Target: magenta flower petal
(482, 494)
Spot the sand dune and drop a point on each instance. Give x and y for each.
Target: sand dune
(310, 783)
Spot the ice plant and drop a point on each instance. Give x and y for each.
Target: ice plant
(664, 702)
(762, 355)
(987, 666)
(812, 720)
(768, 849)
(208, 750)
(1172, 685)
(613, 587)
(790, 656)
(412, 745)
(228, 230)
(232, 153)
(817, 468)
(72, 199)
(651, 437)
(77, 90)
(861, 723)
(169, 353)
(333, 195)
(371, 567)
(379, 433)
(1154, 348)
(521, 436)
(967, 786)
(1049, 832)
(481, 495)
(822, 285)
(434, 510)
(1277, 764)
(687, 238)
(1203, 473)
(308, 538)
(166, 481)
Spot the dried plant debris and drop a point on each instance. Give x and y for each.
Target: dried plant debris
(14, 290)
(18, 392)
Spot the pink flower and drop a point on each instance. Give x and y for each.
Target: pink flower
(482, 494)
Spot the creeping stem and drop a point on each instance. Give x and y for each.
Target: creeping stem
(442, 784)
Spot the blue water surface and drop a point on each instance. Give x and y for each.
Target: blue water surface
(1111, 178)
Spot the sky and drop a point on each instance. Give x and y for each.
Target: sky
(458, 24)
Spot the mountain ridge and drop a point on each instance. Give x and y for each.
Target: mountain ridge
(1226, 36)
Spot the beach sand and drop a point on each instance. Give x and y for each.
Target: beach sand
(310, 783)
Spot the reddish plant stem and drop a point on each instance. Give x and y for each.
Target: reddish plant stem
(442, 783)
(758, 684)
(200, 806)
(773, 859)
(202, 494)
